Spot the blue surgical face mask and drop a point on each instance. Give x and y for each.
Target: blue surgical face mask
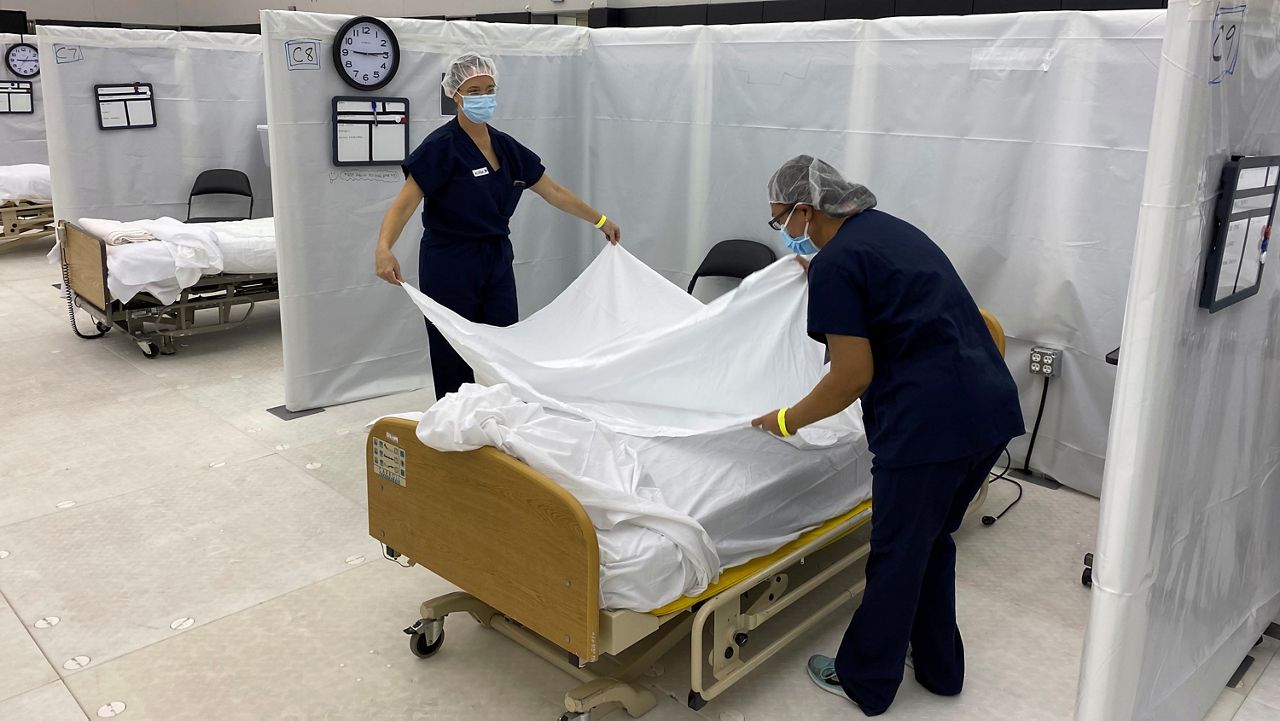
(801, 245)
(479, 108)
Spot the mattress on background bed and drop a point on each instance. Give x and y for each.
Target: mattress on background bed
(25, 182)
(248, 246)
(183, 253)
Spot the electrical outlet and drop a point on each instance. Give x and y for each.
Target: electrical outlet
(1045, 361)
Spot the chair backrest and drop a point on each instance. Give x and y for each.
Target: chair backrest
(221, 181)
(996, 330)
(733, 259)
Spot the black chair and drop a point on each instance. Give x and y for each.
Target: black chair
(733, 259)
(220, 181)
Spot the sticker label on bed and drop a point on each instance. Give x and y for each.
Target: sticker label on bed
(388, 461)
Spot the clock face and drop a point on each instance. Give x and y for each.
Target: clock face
(366, 53)
(23, 60)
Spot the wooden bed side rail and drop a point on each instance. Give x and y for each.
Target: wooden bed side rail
(492, 526)
(86, 259)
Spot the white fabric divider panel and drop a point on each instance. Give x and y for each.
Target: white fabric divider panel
(347, 334)
(22, 134)
(209, 98)
(1187, 571)
(1016, 141)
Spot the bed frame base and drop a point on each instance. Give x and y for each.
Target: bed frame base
(25, 220)
(472, 518)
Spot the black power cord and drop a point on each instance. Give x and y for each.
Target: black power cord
(991, 520)
(1044, 396)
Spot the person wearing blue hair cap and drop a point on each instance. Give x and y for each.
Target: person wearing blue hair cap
(938, 403)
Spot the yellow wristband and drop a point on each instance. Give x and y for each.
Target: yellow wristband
(782, 422)
(603, 219)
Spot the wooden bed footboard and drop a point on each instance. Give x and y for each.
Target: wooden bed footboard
(492, 526)
(86, 259)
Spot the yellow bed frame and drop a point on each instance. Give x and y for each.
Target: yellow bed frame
(25, 220)
(526, 556)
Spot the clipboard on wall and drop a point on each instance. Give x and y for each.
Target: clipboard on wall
(125, 106)
(17, 97)
(370, 131)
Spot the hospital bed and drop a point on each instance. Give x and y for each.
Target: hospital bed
(527, 558)
(155, 324)
(26, 205)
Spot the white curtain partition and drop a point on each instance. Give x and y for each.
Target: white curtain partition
(347, 334)
(1187, 572)
(1017, 141)
(22, 134)
(209, 98)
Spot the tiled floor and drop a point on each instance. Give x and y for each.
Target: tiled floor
(169, 550)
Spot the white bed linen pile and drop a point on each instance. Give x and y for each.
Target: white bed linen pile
(29, 181)
(185, 252)
(637, 399)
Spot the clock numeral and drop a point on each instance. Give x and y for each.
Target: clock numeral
(384, 43)
(349, 39)
(365, 30)
(366, 77)
(376, 75)
(348, 63)
(345, 52)
(384, 66)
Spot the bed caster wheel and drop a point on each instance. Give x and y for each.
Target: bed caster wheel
(696, 701)
(1088, 560)
(570, 716)
(102, 327)
(425, 638)
(1086, 578)
(150, 350)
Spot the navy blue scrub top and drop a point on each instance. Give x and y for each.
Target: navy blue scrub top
(940, 391)
(465, 197)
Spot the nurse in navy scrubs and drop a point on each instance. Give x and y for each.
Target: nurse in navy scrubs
(939, 407)
(471, 176)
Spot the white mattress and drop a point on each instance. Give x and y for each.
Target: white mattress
(751, 493)
(248, 246)
(670, 513)
(25, 182)
(244, 246)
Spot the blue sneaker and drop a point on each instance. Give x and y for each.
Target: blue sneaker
(822, 671)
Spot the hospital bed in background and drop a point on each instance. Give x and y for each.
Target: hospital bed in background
(26, 205)
(157, 314)
(527, 558)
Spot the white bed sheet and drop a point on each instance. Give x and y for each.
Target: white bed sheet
(670, 513)
(638, 399)
(29, 181)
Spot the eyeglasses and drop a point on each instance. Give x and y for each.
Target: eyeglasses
(776, 223)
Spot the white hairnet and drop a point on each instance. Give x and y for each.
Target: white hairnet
(465, 67)
(806, 179)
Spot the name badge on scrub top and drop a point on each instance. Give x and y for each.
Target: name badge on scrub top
(480, 172)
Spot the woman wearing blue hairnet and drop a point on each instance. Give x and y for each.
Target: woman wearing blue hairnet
(471, 176)
(939, 407)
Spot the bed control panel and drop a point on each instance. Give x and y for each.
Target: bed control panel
(388, 461)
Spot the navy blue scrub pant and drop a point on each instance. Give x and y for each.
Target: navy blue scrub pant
(474, 279)
(911, 582)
